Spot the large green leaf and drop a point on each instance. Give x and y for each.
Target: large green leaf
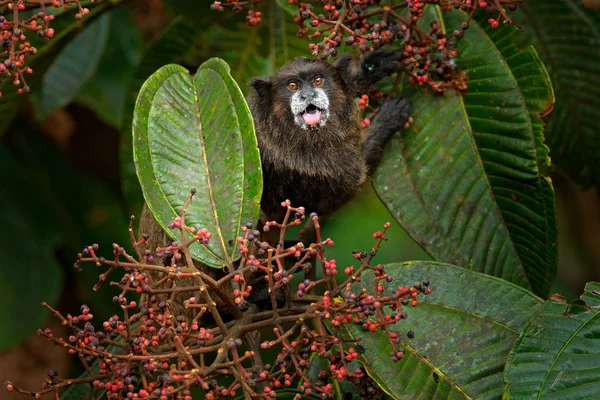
(466, 180)
(66, 27)
(72, 68)
(558, 353)
(197, 132)
(464, 331)
(567, 37)
(171, 43)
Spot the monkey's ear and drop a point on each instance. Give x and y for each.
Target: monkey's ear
(262, 85)
(343, 63)
(351, 73)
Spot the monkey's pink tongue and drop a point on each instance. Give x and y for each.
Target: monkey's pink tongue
(312, 118)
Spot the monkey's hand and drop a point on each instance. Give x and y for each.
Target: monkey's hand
(378, 64)
(393, 115)
(361, 75)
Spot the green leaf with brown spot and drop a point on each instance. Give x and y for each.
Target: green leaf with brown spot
(558, 353)
(464, 331)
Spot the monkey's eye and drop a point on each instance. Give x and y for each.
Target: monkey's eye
(293, 86)
(318, 81)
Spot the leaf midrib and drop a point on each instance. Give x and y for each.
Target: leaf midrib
(418, 194)
(468, 314)
(242, 159)
(565, 345)
(525, 273)
(458, 311)
(208, 176)
(150, 156)
(467, 121)
(433, 368)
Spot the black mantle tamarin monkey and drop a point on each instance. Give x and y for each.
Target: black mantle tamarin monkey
(313, 149)
(312, 146)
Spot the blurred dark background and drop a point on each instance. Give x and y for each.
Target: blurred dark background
(64, 185)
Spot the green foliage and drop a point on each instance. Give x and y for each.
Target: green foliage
(67, 27)
(32, 233)
(260, 50)
(70, 70)
(463, 332)
(197, 132)
(191, 9)
(106, 92)
(467, 179)
(557, 354)
(364, 214)
(51, 211)
(566, 35)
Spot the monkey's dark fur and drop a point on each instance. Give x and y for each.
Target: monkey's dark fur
(319, 165)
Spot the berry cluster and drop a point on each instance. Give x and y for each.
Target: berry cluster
(428, 54)
(14, 31)
(151, 351)
(253, 17)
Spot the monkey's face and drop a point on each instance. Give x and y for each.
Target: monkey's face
(306, 95)
(308, 101)
(305, 88)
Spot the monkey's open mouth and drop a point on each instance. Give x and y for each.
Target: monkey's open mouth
(311, 115)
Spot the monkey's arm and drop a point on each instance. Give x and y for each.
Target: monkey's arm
(391, 118)
(361, 74)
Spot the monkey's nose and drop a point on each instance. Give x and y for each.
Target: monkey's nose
(305, 96)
